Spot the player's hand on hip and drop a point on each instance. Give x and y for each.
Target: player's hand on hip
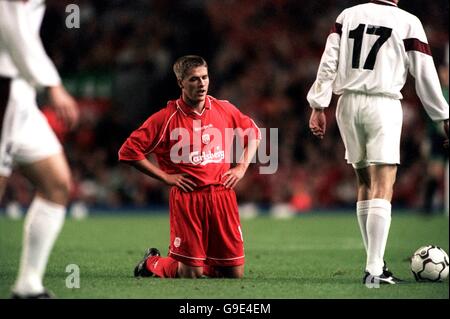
(181, 181)
(233, 176)
(65, 105)
(318, 123)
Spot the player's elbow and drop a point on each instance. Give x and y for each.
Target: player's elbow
(128, 162)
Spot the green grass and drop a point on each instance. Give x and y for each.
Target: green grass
(310, 256)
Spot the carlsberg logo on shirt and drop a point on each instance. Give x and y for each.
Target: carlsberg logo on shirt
(207, 157)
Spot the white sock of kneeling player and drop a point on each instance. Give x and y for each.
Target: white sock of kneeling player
(362, 211)
(378, 224)
(42, 225)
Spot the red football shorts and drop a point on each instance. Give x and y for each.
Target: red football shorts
(205, 228)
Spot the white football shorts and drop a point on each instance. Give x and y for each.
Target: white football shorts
(26, 136)
(370, 126)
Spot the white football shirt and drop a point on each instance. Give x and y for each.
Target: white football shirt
(370, 50)
(21, 51)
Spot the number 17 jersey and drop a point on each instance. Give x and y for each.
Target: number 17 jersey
(370, 50)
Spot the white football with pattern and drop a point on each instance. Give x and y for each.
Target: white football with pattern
(430, 263)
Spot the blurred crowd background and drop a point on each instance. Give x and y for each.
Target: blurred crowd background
(263, 57)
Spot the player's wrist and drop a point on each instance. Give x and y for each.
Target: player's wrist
(54, 88)
(164, 177)
(242, 166)
(54, 91)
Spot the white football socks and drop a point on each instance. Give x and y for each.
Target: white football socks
(42, 225)
(362, 211)
(378, 224)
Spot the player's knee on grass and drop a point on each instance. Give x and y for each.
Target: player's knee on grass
(235, 272)
(185, 271)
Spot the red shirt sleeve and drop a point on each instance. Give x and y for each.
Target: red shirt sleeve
(145, 139)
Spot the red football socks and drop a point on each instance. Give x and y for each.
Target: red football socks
(163, 267)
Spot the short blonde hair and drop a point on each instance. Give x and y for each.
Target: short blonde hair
(183, 64)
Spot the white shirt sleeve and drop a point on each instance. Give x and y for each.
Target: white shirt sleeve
(422, 68)
(25, 46)
(320, 94)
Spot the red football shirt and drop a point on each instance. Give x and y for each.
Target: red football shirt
(185, 141)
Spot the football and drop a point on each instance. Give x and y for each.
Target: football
(429, 263)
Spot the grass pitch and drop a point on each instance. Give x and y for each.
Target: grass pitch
(312, 256)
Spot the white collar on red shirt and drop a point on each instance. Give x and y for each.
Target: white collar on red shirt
(186, 109)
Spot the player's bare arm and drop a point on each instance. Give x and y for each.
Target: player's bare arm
(235, 174)
(180, 180)
(318, 122)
